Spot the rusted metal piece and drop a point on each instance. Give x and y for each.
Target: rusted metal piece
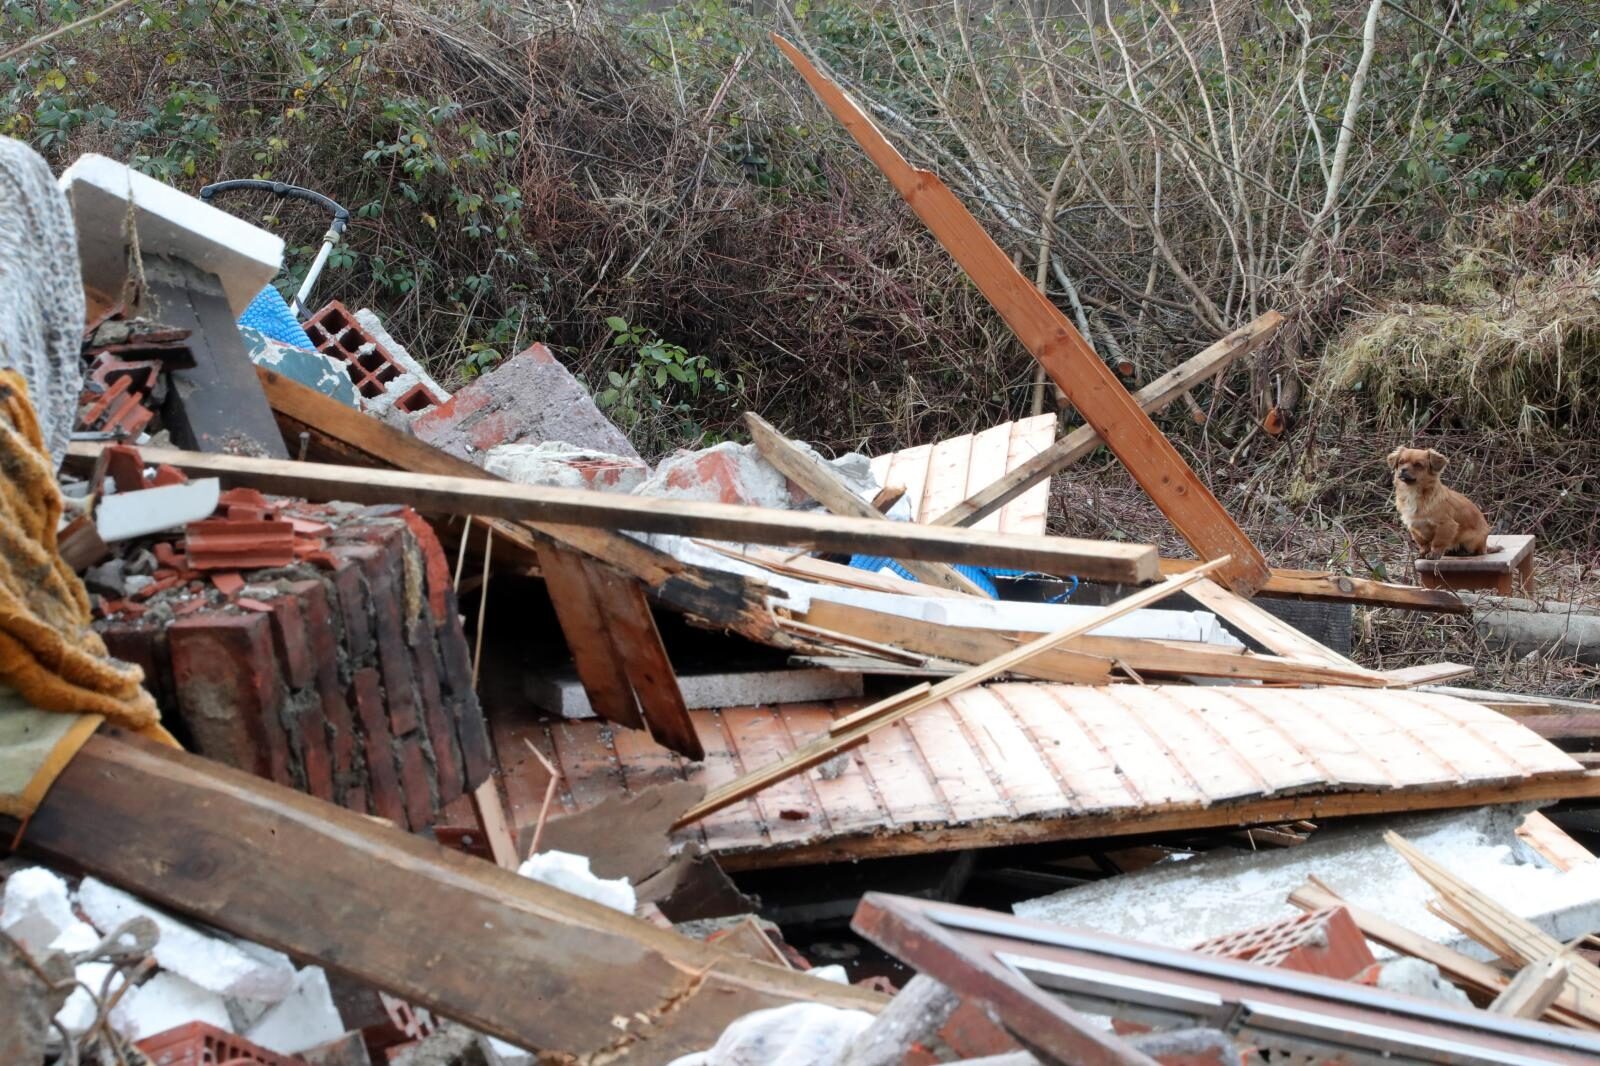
(1033, 974)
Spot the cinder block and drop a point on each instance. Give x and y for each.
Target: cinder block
(169, 223)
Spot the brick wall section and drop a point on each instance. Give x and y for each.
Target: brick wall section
(352, 683)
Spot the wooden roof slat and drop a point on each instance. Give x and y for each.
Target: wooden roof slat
(960, 773)
(1335, 750)
(1212, 764)
(848, 797)
(947, 475)
(739, 825)
(1090, 780)
(1142, 760)
(905, 786)
(986, 461)
(1385, 738)
(1010, 752)
(1275, 758)
(791, 807)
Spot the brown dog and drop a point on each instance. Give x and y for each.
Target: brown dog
(1439, 519)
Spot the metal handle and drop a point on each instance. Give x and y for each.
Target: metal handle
(341, 215)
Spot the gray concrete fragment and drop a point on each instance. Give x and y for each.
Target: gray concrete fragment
(1182, 903)
(563, 694)
(125, 515)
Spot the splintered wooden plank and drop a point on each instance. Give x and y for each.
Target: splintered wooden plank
(646, 764)
(790, 807)
(1214, 766)
(1304, 717)
(1282, 764)
(1023, 771)
(907, 469)
(1089, 776)
(904, 783)
(739, 825)
(1058, 346)
(570, 579)
(1268, 630)
(644, 660)
(960, 774)
(847, 794)
(1142, 760)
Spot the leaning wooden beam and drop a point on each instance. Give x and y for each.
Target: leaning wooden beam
(569, 578)
(856, 728)
(1324, 587)
(1153, 398)
(1041, 327)
(503, 954)
(1268, 630)
(644, 661)
(338, 434)
(826, 487)
(527, 503)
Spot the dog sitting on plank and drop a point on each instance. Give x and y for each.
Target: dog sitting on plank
(1439, 519)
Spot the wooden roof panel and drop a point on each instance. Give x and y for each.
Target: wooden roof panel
(938, 476)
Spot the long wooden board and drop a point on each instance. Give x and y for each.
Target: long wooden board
(1322, 587)
(1099, 560)
(644, 661)
(567, 575)
(501, 953)
(826, 487)
(1058, 346)
(1153, 398)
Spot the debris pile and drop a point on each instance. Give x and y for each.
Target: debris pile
(506, 745)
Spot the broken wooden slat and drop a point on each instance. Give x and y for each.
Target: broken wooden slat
(1534, 990)
(1322, 587)
(491, 815)
(1153, 398)
(1426, 674)
(1268, 630)
(825, 486)
(816, 754)
(611, 511)
(848, 801)
(439, 929)
(1058, 346)
(570, 580)
(644, 660)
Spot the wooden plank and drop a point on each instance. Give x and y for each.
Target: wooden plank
(1097, 560)
(1335, 750)
(644, 660)
(1271, 632)
(1153, 398)
(441, 930)
(816, 754)
(812, 568)
(957, 769)
(1551, 841)
(1473, 758)
(790, 809)
(1534, 990)
(570, 579)
(1140, 757)
(1041, 327)
(1408, 764)
(739, 825)
(1516, 740)
(1009, 751)
(904, 784)
(1426, 674)
(907, 469)
(846, 793)
(825, 486)
(1273, 754)
(947, 473)
(491, 815)
(1216, 768)
(1271, 810)
(1030, 511)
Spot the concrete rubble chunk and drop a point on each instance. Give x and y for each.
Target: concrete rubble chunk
(214, 964)
(562, 693)
(169, 223)
(306, 1018)
(1183, 903)
(167, 1001)
(736, 473)
(524, 400)
(125, 515)
(558, 464)
(36, 908)
(799, 1034)
(77, 937)
(570, 873)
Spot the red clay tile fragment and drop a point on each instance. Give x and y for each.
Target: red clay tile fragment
(223, 544)
(250, 603)
(168, 556)
(125, 467)
(169, 475)
(228, 582)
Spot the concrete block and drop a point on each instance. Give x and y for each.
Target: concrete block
(563, 693)
(215, 965)
(415, 374)
(36, 908)
(524, 400)
(169, 223)
(564, 465)
(1185, 902)
(167, 1001)
(305, 1019)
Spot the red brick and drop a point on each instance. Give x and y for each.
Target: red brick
(125, 467)
(229, 692)
(289, 635)
(316, 758)
(350, 589)
(145, 646)
(417, 781)
(366, 694)
(435, 566)
(338, 722)
(437, 718)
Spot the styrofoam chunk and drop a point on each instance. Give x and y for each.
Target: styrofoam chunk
(36, 908)
(79, 936)
(209, 962)
(570, 873)
(80, 1010)
(306, 1018)
(500, 1053)
(167, 1001)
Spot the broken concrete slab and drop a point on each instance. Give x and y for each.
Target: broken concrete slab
(737, 473)
(562, 693)
(211, 963)
(125, 515)
(104, 193)
(523, 400)
(1185, 902)
(562, 465)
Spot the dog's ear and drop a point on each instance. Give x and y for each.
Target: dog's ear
(1394, 458)
(1436, 462)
